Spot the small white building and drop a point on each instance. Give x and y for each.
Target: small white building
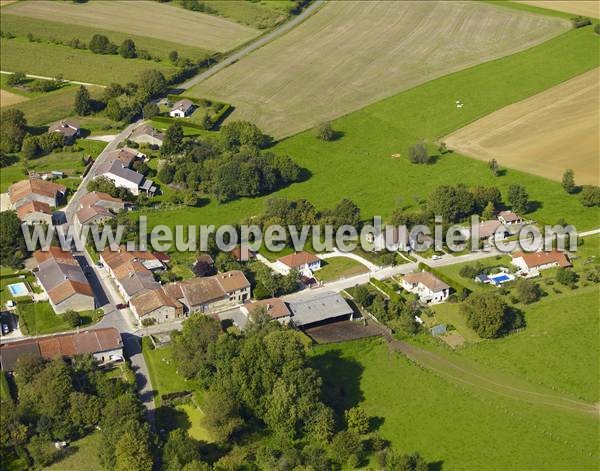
(305, 262)
(427, 286)
(508, 218)
(182, 109)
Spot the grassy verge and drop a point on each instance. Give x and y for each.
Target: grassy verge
(339, 267)
(83, 454)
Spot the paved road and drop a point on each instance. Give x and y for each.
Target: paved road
(5, 72)
(284, 28)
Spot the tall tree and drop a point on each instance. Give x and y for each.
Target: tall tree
(127, 49)
(83, 103)
(13, 127)
(518, 198)
(152, 83)
(568, 181)
(132, 452)
(173, 142)
(12, 243)
(486, 314)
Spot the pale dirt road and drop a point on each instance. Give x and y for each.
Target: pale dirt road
(578, 7)
(544, 134)
(8, 98)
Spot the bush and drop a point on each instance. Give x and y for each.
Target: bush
(18, 78)
(72, 318)
(148, 321)
(590, 196)
(325, 131)
(418, 154)
(566, 277)
(580, 21)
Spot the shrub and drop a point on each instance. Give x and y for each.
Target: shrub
(527, 291)
(566, 277)
(580, 21)
(72, 318)
(148, 321)
(18, 78)
(590, 196)
(325, 131)
(418, 154)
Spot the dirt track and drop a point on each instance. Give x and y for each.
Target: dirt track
(7, 98)
(578, 7)
(545, 134)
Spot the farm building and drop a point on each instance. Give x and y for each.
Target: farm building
(182, 109)
(156, 304)
(63, 280)
(146, 134)
(304, 262)
(319, 309)
(97, 198)
(105, 345)
(36, 189)
(91, 215)
(126, 156)
(427, 286)
(35, 212)
(211, 293)
(275, 308)
(67, 128)
(533, 262)
(124, 177)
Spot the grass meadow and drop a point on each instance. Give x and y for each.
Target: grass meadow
(339, 267)
(359, 164)
(454, 427)
(50, 60)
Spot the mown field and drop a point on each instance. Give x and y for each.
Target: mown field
(50, 60)
(46, 28)
(545, 134)
(142, 18)
(359, 165)
(350, 54)
(454, 427)
(577, 7)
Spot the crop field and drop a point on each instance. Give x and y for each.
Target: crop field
(143, 18)
(50, 60)
(577, 7)
(47, 30)
(545, 134)
(8, 98)
(359, 165)
(445, 416)
(350, 54)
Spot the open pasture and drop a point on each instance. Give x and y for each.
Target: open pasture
(544, 134)
(350, 54)
(143, 18)
(577, 7)
(419, 410)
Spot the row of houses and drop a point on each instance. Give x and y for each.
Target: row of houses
(63, 281)
(105, 345)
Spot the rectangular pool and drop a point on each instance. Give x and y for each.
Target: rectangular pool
(500, 278)
(18, 289)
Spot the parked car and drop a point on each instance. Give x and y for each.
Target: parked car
(122, 305)
(5, 329)
(99, 264)
(436, 257)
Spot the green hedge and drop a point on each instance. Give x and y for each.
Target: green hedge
(458, 287)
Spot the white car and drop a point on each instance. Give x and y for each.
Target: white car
(436, 257)
(5, 329)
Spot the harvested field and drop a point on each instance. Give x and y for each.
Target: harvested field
(144, 18)
(350, 54)
(8, 98)
(545, 134)
(577, 7)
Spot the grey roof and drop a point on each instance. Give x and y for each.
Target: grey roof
(137, 282)
(52, 273)
(438, 329)
(183, 105)
(146, 130)
(319, 308)
(117, 168)
(9, 356)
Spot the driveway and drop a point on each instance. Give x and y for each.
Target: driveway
(133, 350)
(338, 253)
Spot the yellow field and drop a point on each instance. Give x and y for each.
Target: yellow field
(8, 98)
(577, 7)
(350, 54)
(545, 134)
(143, 18)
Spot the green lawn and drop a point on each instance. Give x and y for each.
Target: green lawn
(359, 165)
(5, 394)
(452, 271)
(455, 427)
(81, 454)
(558, 348)
(8, 276)
(71, 163)
(39, 318)
(49, 60)
(194, 422)
(339, 267)
(54, 30)
(449, 313)
(257, 15)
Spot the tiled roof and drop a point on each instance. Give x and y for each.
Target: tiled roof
(427, 279)
(149, 301)
(33, 207)
(93, 197)
(536, 259)
(21, 189)
(298, 259)
(275, 307)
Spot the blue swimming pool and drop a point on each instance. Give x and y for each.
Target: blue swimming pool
(18, 289)
(500, 278)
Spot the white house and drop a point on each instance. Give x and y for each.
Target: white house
(304, 262)
(68, 129)
(428, 287)
(508, 218)
(182, 109)
(124, 177)
(533, 262)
